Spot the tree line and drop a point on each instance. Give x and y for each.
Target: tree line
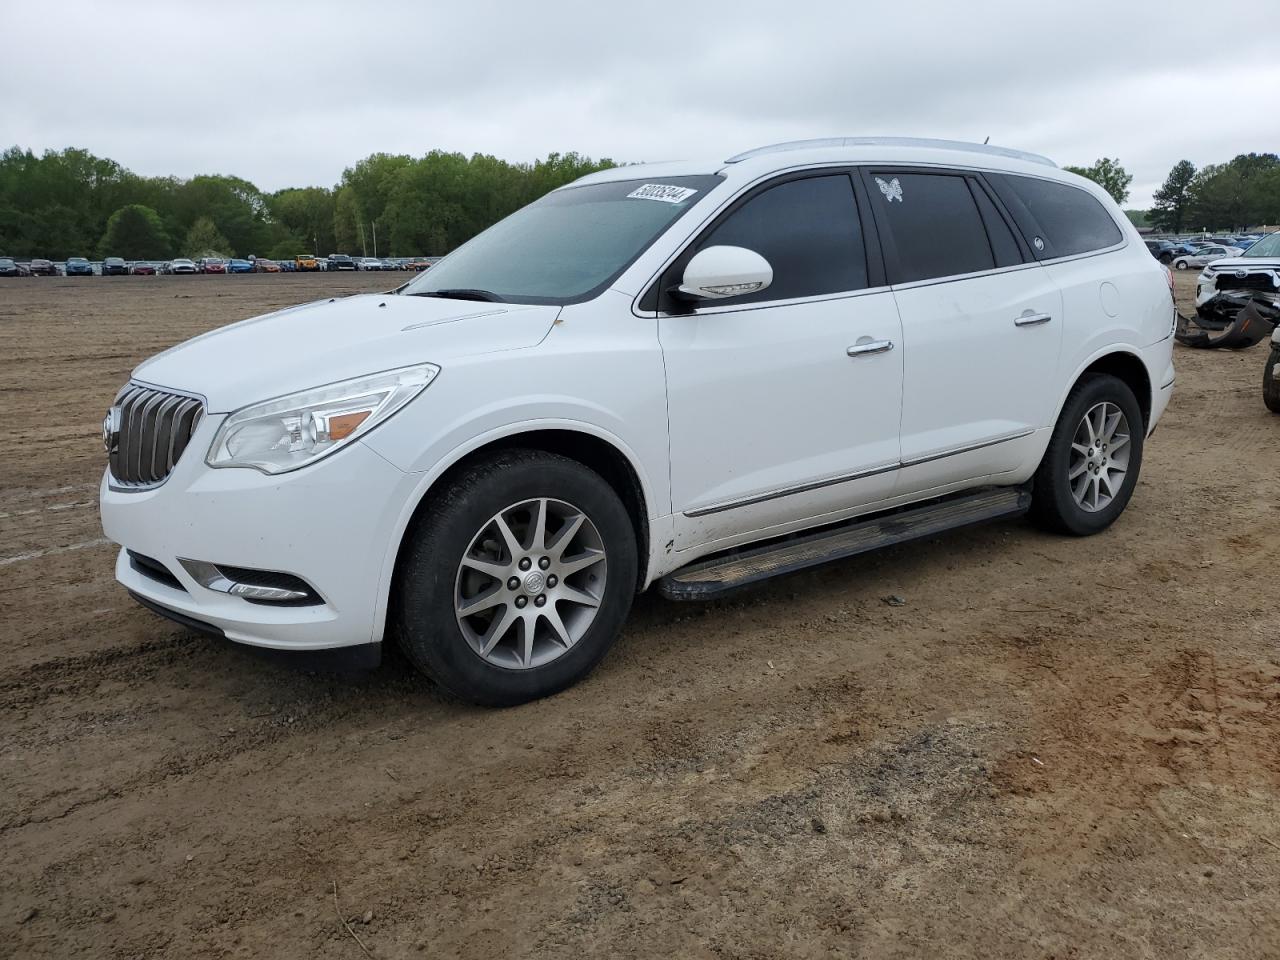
(71, 203)
(1243, 192)
(66, 203)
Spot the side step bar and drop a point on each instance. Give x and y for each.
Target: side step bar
(718, 574)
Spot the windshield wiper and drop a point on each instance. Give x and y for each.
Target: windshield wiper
(462, 293)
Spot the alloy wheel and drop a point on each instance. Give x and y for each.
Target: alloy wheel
(530, 584)
(1099, 458)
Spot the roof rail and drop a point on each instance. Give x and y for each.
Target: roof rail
(958, 145)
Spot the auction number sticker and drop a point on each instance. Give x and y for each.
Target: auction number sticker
(664, 192)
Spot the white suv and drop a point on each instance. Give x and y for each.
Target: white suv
(694, 375)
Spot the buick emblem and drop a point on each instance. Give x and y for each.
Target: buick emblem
(111, 430)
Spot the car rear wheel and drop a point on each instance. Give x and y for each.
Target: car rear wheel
(1091, 465)
(1180, 264)
(516, 580)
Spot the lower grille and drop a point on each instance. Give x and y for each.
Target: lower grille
(154, 570)
(153, 428)
(1262, 282)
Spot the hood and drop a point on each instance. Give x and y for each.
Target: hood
(1252, 264)
(330, 340)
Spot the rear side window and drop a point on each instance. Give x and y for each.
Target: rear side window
(809, 232)
(1069, 220)
(933, 225)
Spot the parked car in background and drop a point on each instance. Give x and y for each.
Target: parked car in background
(212, 265)
(340, 261)
(40, 267)
(1204, 255)
(265, 266)
(141, 268)
(78, 267)
(1162, 250)
(181, 265)
(115, 267)
(862, 342)
(10, 268)
(305, 262)
(390, 264)
(418, 264)
(239, 266)
(369, 263)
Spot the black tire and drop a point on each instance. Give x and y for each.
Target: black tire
(1166, 258)
(1052, 504)
(1270, 384)
(424, 602)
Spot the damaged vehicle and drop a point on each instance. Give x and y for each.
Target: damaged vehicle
(1237, 299)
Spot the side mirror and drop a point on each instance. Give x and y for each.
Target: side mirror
(719, 272)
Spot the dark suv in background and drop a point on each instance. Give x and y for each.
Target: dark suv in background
(1162, 250)
(340, 261)
(114, 267)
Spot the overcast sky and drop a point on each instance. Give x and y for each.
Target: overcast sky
(290, 93)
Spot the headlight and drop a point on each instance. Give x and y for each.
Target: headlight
(290, 432)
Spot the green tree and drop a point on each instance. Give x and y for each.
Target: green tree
(1108, 174)
(305, 212)
(346, 222)
(1139, 218)
(1169, 212)
(1243, 192)
(204, 240)
(135, 233)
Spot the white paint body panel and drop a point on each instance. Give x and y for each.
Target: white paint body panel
(724, 405)
(765, 399)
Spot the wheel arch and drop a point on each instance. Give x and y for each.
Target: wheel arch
(1126, 366)
(602, 454)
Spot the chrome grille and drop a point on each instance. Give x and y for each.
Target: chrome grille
(154, 428)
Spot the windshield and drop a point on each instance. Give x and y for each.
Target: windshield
(1268, 246)
(567, 246)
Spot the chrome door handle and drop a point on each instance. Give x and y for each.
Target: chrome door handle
(871, 346)
(1031, 319)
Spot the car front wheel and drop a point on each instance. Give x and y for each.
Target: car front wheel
(1180, 264)
(516, 580)
(1091, 465)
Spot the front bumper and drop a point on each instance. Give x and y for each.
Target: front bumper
(329, 523)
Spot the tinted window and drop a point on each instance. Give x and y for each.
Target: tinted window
(933, 223)
(567, 246)
(808, 230)
(1073, 221)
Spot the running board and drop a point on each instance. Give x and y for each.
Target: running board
(707, 578)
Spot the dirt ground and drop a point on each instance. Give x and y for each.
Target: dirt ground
(1055, 748)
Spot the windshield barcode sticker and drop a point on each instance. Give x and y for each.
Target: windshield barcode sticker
(663, 192)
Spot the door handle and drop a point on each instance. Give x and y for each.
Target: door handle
(861, 349)
(1029, 319)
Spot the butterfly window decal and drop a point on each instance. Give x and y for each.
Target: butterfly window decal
(892, 190)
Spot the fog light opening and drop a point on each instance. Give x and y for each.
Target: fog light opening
(255, 586)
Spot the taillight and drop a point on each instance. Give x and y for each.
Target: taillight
(1168, 277)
